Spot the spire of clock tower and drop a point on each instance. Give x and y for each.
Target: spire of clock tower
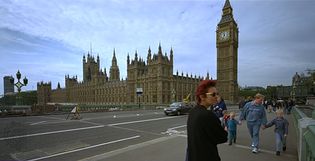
(227, 15)
(227, 4)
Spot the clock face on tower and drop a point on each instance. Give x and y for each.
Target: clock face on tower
(224, 35)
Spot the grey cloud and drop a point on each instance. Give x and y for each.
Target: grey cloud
(272, 34)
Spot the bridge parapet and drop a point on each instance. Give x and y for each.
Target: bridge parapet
(305, 128)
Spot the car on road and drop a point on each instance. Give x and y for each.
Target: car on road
(178, 108)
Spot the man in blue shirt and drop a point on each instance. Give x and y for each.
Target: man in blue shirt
(255, 115)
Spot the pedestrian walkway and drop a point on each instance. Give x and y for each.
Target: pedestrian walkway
(241, 150)
(172, 148)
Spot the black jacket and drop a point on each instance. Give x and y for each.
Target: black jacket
(204, 133)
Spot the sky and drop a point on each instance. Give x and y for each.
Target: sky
(46, 40)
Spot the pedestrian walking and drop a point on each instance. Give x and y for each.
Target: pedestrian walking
(232, 128)
(255, 115)
(281, 130)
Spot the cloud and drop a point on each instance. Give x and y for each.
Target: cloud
(37, 58)
(47, 39)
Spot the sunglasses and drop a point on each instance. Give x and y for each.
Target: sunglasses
(212, 94)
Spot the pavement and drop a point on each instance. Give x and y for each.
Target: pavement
(172, 148)
(144, 135)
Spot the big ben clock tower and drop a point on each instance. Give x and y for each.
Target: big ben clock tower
(227, 45)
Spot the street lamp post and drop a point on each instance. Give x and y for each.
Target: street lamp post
(173, 95)
(19, 85)
(139, 92)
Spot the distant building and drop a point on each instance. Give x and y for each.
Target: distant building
(303, 86)
(8, 86)
(253, 88)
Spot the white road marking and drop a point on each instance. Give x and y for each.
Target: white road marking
(126, 149)
(132, 122)
(63, 120)
(177, 127)
(51, 132)
(88, 122)
(56, 118)
(36, 123)
(172, 131)
(85, 148)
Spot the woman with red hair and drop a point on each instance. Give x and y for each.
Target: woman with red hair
(204, 129)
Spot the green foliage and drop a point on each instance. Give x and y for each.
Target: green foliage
(250, 92)
(8, 100)
(26, 98)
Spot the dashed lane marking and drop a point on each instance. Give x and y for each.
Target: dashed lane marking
(132, 122)
(36, 123)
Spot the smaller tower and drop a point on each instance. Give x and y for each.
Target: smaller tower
(43, 93)
(128, 59)
(114, 69)
(149, 56)
(8, 86)
(136, 55)
(98, 61)
(171, 55)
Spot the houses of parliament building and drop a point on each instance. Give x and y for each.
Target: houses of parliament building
(153, 77)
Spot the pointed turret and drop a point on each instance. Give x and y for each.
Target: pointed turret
(114, 69)
(128, 59)
(136, 55)
(160, 49)
(160, 54)
(171, 55)
(227, 15)
(149, 55)
(105, 75)
(207, 76)
(98, 61)
(227, 4)
(114, 60)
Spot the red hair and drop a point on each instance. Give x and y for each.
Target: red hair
(203, 87)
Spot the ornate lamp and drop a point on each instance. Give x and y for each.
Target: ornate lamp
(19, 84)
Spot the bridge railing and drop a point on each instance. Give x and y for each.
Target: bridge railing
(305, 128)
(102, 108)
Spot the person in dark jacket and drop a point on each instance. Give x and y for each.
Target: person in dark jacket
(204, 129)
(219, 108)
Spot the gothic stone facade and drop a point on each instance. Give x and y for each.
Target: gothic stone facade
(154, 76)
(227, 47)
